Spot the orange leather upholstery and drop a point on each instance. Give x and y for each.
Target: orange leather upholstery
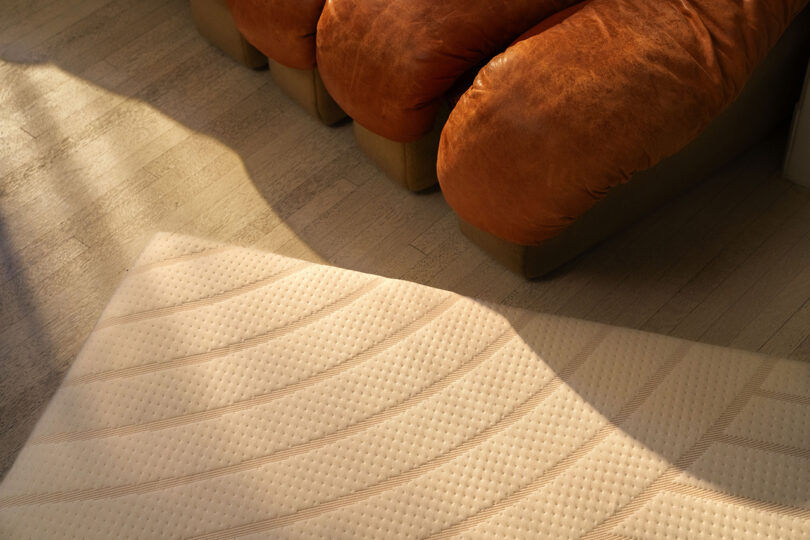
(283, 30)
(561, 117)
(388, 62)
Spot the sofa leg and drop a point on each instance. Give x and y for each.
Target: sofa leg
(410, 164)
(306, 88)
(512, 256)
(532, 262)
(215, 23)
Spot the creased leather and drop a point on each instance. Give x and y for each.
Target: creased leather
(388, 62)
(283, 30)
(550, 125)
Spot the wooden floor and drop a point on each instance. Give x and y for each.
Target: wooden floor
(118, 121)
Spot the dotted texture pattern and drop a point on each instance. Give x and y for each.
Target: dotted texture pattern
(227, 392)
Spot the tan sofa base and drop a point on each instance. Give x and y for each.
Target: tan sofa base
(765, 103)
(306, 88)
(215, 23)
(411, 164)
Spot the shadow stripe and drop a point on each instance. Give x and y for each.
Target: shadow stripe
(227, 349)
(737, 500)
(515, 415)
(782, 396)
(675, 358)
(768, 446)
(164, 423)
(200, 302)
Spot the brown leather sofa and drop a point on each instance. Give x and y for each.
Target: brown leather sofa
(391, 64)
(542, 140)
(548, 153)
(278, 33)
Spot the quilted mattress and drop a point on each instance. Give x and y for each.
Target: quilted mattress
(230, 393)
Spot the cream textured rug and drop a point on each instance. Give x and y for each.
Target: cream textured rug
(228, 393)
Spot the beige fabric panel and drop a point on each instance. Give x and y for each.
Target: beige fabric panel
(411, 165)
(214, 22)
(306, 88)
(790, 377)
(227, 392)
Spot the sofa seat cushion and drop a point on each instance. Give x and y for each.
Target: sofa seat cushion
(232, 393)
(283, 30)
(389, 62)
(561, 117)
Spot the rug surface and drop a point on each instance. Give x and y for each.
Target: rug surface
(230, 393)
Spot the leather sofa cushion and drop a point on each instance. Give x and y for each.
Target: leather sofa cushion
(388, 62)
(561, 117)
(283, 30)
